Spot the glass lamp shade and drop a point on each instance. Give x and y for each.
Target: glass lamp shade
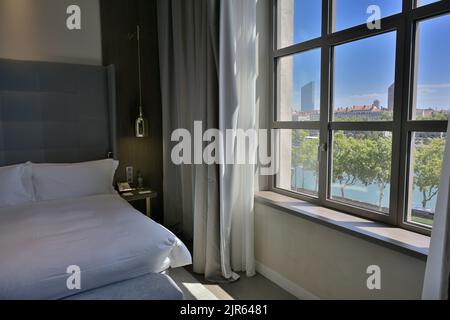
(141, 127)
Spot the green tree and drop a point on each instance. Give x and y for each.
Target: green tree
(375, 163)
(345, 161)
(387, 116)
(305, 154)
(437, 116)
(364, 158)
(427, 168)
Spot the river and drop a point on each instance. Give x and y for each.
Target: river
(359, 192)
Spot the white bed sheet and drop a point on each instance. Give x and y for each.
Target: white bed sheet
(103, 235)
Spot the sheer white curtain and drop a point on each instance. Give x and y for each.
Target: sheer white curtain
(208, 74)
(436, 283)
(237, 97)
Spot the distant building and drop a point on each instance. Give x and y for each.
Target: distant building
(308, 97)
(371, 113)
(391, 95)
(377, 104)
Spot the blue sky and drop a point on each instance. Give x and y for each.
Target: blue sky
(365, 69)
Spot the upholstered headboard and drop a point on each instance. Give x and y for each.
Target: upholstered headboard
(52, 112)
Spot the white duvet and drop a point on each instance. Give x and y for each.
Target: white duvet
(102, 235)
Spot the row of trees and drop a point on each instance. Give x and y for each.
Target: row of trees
(427, 167)
(365, 158)
(362, 158)
(437, 116)
(389, 116)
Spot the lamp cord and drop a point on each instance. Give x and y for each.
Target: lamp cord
(139, 67)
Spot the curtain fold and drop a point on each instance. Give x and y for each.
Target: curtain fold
(188, 42)
(208, 74)
(237, 95)
(436, 284)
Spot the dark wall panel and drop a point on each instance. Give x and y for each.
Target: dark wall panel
(119, 21)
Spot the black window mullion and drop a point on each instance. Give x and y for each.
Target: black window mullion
(403, 58)
(407, 68)
(363, 126)
(430, 10)
(388, 24)
(325, 105)
(299, 47)
(297, 125)
(426, 126)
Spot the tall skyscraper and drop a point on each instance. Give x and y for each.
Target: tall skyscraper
(391, 94)
(308, 97)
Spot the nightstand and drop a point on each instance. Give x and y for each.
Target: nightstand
(139, 195)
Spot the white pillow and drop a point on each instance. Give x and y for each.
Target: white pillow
(15, 186)
(65, 181)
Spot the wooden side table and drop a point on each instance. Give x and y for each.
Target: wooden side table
(141, 194)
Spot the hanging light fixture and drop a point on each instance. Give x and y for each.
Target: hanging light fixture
(141, 126)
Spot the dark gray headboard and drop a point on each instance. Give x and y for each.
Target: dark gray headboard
(52, 112)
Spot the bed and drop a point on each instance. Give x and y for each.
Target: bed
(59, 114)
(103, 235)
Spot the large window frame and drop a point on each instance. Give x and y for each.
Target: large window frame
(402, 127)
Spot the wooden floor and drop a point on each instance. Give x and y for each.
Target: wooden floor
(195, 287)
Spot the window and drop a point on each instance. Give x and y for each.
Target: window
(364, 76)
(361, 169)
(350, 13)
(299, 87)
(301, 171)
(299, 21)
(432, 83)
(362, 113)
(427, 153)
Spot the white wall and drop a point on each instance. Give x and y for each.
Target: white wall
(36, 30)
(329, 264)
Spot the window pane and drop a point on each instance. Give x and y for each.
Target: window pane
(432, 84)
(425, 2)
(298, 21)
(361, 172)
(350, 13)
(426, 163)
(299, 156)
(364, 75)
(299, 87)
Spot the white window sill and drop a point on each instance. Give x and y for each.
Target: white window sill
(405, 241)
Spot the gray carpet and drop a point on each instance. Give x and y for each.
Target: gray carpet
(195, 287)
